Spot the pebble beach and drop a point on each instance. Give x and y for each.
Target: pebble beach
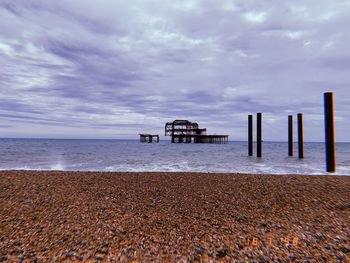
(173, 217)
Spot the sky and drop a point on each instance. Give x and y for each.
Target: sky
(114, 69)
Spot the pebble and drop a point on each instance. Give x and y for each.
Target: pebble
(163, 217)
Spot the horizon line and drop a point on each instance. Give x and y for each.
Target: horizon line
(50, 138)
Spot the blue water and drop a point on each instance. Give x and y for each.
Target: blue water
(130, 155)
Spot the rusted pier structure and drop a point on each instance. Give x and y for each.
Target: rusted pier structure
(149, 138)
(184, 131)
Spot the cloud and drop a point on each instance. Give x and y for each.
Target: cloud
(127, 68)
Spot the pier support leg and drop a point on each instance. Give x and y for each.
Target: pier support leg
(172, 133)
(259, 135)
(250, 135)
(329, 131)
(290, 135)
(300, 136)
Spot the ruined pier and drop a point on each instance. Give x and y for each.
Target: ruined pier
(184, 131)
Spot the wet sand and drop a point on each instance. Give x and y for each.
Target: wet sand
(173, 217)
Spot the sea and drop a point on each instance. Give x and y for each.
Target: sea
(133, 156)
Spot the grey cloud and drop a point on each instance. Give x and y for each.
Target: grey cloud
(122, 65)
(341, 63)
(11, 105)
(30, 119)
(10, 7)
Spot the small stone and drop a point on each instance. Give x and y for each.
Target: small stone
(31, 255)
(222, 253)
(16, 251)
(345, 249)
(100, 251)
(17, 243)
(4, 258)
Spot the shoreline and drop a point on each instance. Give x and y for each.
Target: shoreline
(170, 172)
(172, 216)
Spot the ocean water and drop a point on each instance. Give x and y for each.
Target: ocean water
(130, 155)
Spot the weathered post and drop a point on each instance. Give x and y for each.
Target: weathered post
(290, 135)
(300, 136)
(258, 135)
(250, 135)
(329, 131)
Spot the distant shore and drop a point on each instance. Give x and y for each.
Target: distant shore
(112, 216)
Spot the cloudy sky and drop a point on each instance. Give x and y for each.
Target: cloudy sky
(113, 69)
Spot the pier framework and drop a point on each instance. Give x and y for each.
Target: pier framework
(184, 131)
(149, 138)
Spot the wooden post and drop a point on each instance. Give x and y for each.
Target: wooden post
(300, 136)
(258, 135)
(290, 135)
(329, 132)
(250, 135)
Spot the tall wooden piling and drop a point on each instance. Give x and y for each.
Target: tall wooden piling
(259, 135)
(250, 135)
(329, 131)
(300, 136)
(290, 135)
